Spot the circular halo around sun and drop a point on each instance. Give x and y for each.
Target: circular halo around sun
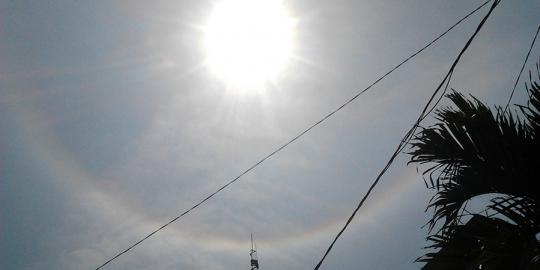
(248, 42)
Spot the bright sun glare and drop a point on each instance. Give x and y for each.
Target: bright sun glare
(248, 42)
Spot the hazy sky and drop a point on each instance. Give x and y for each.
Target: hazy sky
(111, 125)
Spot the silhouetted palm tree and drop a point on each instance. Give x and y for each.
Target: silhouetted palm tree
(473, 151)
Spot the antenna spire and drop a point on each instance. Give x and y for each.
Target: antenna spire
(253, 255)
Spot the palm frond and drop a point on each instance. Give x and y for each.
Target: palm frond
(472, 151)
(482, 243)
(522, 211)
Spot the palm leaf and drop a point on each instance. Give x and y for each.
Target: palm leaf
(482, 243)
(472, 151)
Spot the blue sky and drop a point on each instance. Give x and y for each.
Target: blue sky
(110, 126)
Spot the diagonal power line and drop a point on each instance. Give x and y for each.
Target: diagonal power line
(521, 71)
(294, 138)
(427, 109)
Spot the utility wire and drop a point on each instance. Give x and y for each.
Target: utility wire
(294, 138)
(409, 133)
(521, 71)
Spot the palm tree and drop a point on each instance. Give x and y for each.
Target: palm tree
(470, 151)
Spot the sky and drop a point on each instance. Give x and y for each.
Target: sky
(111, 124)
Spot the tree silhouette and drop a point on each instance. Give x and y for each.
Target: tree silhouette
(470, 151)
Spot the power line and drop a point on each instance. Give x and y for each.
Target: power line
(521, 71)
(294, 138)
(411, 132)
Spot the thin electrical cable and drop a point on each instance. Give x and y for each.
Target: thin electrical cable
(408, 135)
(521, 71)
(296, 137)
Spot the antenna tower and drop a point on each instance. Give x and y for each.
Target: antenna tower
(253, 255)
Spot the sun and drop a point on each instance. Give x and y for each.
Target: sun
(248, 42)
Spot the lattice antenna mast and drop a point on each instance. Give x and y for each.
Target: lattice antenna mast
(253, 255)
